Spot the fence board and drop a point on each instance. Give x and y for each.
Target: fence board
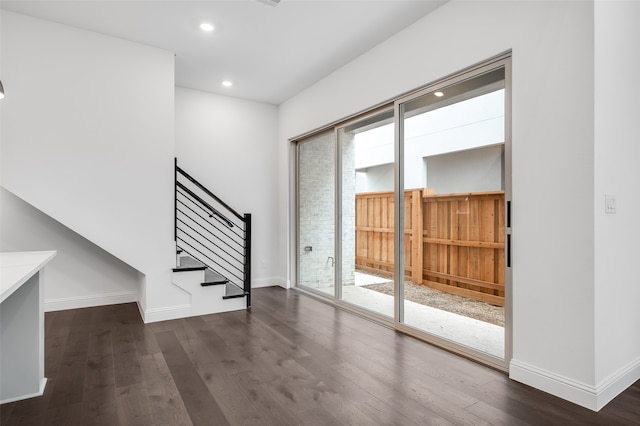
(384, 226)
(453, 242)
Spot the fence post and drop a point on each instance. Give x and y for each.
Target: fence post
(416, 236)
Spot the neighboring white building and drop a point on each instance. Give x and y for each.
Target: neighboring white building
(435, 141)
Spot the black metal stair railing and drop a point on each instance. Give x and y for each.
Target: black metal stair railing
(211, 232)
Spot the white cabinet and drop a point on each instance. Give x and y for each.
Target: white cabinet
(22, 324)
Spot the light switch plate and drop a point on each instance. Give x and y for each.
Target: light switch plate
(609, 203)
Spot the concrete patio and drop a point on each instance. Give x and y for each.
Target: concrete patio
(479, 335)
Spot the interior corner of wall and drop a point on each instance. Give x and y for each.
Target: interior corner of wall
(142, 292)
(142, 312)
(617, 383)
(160, 299)
(555, 384)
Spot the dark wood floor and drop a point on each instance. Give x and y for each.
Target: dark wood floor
(291, 361)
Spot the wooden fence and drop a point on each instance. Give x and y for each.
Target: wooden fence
(453, 242)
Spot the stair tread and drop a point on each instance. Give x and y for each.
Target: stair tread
(188, 261)
(212, 277)
(189, 264)
(233, 291)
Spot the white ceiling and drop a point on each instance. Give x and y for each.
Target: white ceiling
(270, 53)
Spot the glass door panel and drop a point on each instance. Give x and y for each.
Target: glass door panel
(367, 212)
(316, 213)
(453, 144)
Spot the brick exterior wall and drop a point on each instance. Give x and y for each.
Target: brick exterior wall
(316, 215)
(316, 212)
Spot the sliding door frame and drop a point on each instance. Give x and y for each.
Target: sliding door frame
(499, 61)
(399, 255)
(388, 107)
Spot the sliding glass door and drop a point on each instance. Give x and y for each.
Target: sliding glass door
(452, 142)
(402, 213)
(367, 210)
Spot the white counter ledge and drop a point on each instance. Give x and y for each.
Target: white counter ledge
(22, 324)
(17, 267)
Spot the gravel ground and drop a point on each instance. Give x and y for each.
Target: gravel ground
(447, 302)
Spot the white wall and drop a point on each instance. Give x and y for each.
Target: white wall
(376, 178)
(463, 125)
(81, 274)
(617, 155)
(473, 170)
(552, 116)
(87, 138)
(230, 146)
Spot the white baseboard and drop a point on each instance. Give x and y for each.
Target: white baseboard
(267, 282)
(617, 382)
(166, 313)
(89, 301)
(588, 396)
(560, 386)
(286, 284)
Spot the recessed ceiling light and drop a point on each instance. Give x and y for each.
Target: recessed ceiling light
(227, 83)
(206, 27)
(438, 94)
(270, 2)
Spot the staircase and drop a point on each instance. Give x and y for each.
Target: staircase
(213, 249)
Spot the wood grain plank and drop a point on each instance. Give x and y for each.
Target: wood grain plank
(55, 336)
(200, 404)
(417, 245)
(458, 243)
(274, 364)
(337, 393)
(220, 381)
(132, 405)
(371, 253)
(69, 384)
(391, 237)
(463, 235)
(125, 357)
(98, 401)
(290, 360)
(144, 340)
(413, 412)
(165, 403)
(384, 229)
(364, 215)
